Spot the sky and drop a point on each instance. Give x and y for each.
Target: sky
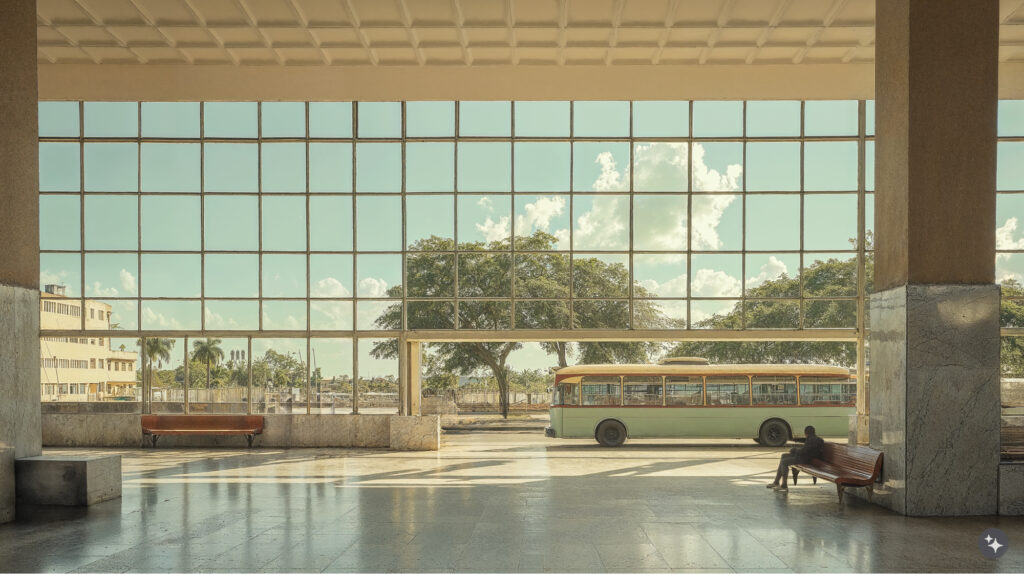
(495, 196)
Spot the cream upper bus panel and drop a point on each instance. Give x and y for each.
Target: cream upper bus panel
(814, 370)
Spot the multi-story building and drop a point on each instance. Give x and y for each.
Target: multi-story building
(81, 368)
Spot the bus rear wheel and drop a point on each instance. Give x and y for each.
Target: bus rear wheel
(611, 433)
(774, 433)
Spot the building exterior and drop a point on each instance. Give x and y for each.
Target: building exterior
(81, 368)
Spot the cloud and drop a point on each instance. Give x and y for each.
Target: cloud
(98, 290)
(1005, 238)
(59, 278)
(151, 319)
(329, 287)
(605, 225)
(707, 216)
(127, 281)
(610, 178)
(338, 312)
(708, 179)
(373, 287)
(770, 270)
(217, 321)
(711, 283)
(660, 167)
(494, 230)
(675, 287)
(486, 203)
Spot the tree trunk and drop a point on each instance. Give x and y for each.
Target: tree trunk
(502, 376)
(209, 383)
(561, 347)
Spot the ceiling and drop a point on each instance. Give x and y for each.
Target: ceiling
(348, 33)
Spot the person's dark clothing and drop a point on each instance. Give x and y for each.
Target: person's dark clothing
(813, 448)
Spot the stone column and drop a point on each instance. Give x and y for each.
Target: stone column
(20, 423)
(409, 376)
(934, 401)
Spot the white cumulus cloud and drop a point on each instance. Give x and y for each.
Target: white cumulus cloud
(329, 287)
(127, 281)
(770, 270)
(711, 283)
(373, 287)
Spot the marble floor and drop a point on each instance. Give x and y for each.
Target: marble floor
(487, 502)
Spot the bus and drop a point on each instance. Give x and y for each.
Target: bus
(689, 398)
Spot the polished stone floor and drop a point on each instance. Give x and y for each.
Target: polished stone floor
(487, 501)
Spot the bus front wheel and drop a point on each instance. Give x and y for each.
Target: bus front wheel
(774, 433)
(611, 433)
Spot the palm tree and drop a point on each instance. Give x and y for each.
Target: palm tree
(155, 349)
(207, 351)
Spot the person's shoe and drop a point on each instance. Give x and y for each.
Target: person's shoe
(781, 488)
(772, 485)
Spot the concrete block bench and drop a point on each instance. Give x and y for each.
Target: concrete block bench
(68, 480)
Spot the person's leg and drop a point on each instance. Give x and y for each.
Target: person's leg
(778, 473)
(787, 460)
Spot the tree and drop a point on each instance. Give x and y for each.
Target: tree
(542, 283)
(154, 349)
(207, 351)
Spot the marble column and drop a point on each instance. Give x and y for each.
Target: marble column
(20, 426)
(934, 401)
(411, 377)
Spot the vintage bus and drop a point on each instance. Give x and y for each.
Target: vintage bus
(688, 398)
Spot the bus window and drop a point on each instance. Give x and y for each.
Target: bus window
(566, 394)
(827, 391)
(728, 390)
(684, 391)
(641, 391)
(602, 391)
(774, 390)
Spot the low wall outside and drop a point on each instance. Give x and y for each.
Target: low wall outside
(124, 430)
(1011, 489)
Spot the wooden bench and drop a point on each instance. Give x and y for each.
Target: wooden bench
(844, 465)
(157, 425)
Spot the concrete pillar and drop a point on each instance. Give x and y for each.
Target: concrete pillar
(409, 376)
(20, 426)
(934, 401)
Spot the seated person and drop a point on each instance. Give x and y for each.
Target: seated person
(813, 448)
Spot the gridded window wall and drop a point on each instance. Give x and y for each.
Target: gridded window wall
(339, 219)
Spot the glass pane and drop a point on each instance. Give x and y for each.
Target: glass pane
(1009, 272)
(718, 166)
(659, 222)
(759, 314)
(58, 119)
(284, 315)
(485, 275)
(542, 275)
(773, 222)
(162, 363)
(717, 119)
(600, 314)
(284, 223)
(773, 166)
(380, 119)
(378, 378)
(1010, 165)
(542, 314)
(542, 119)
(869, 220)
(171, 316)
(330, 223)
(378, 167)
(171, 167)
(1011, 118)
(717, 223)
(284, 168)
(231, 223)
(728, 391)
(330, 276)
(603, 391)
(330, 119)
(111, 274)
(643, 391)
(830, 222)
(830, 166)
(869, 117)
(830, 118)
(600, 275)
(773, 275)
(279, 376)
(660, 166)
(63, 270)
(542, 166)
(170, 275)
(684, 391)
(825, 314)
(600, 119)
(60, 223)
(111, 119)
(817, 390)
(170, 119)
(232, 276)
(715, 314)
(661, 119)
(431, 314)
(485, 166)
(429, 167)
(171, 223)
(773, 119)
(230, 120)
(716, 275)
(111, 167)
(830, 274)
(283, 119)
(218, 383)
(485, 315)
(378, 315)
(659, 275)
(379, 223)
(118, 314)
(60, 167)
(600, 166)
(231, 168)
(429, 119)
(232, 316)
(659, 314)
(111, 222)
(284, 275)
(330, 315)
(542, 222)
(430, 275)
(430, 222)
(379, 276)
(330, 168)
(774, 390)
(602, 222)
(869, 165)
(485, 119)
(484, 221)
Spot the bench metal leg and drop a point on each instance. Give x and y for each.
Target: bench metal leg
(249, 438)
(153, 438)
(814, 479)
(840, 488)
(795, 472)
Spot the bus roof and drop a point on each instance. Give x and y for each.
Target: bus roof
(746, 369)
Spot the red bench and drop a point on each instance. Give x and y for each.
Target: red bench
(157, 425)
(844, 465)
